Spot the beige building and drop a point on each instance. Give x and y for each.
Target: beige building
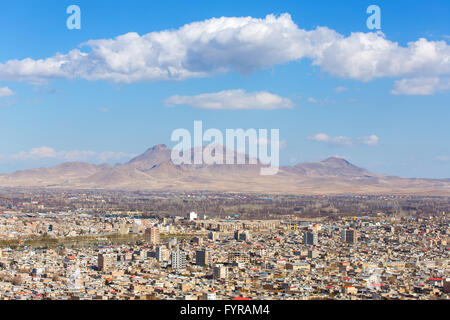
(152, 235)
(105, 261)
(220, 271)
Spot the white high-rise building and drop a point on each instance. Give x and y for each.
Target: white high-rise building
(162, 254)
(193, 216)
(178, 260)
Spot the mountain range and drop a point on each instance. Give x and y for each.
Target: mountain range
(154, 170)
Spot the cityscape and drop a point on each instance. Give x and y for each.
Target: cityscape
(224, 159)
(67, 245)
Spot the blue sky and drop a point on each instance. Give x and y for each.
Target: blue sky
(392, 119)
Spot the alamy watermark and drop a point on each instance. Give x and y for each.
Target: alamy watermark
(74, 20)
(262, 149)
(374, 20)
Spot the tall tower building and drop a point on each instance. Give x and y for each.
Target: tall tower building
(220, 271)
(162, 254)
(311, 238)
(178, 260)
(152, 235)
(105, 261)
(349, 236)
(202, 257)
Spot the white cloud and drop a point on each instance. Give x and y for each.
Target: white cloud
(321, 101)
(198, 49)
(344, 141)
(340, 89)
(245, 44)
(232, 99)
(45, 152)
(369, 140)
(365, 56)
(443, 158)
(320, 137)
(6, 92)
(421, 86)
(339, 140)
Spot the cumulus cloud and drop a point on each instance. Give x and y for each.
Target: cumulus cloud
(6, 92)
(421, 86)
(344, 141)
(365, 56)
(232, 99)
(369, 140)
(198, 49)
(339, 140)
(45, 152)
(241, 44)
